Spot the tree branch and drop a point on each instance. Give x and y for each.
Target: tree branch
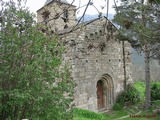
(83, 12)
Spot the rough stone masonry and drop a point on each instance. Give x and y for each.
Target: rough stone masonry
(95, 56)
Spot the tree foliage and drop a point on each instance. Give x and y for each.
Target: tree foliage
(32, 83)
(139, 24)
(155, 91)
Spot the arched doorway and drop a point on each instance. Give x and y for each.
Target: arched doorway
(105, 92)
(100, 98)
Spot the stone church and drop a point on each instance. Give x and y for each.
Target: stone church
(100, 64)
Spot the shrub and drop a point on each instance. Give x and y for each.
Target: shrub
(155, 91)
(32, 83)
(117, 106)
(130, 95)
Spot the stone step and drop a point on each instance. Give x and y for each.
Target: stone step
(103, 110)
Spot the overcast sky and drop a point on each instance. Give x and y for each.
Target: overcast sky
(34, 5)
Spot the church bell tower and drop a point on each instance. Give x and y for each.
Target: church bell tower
(57, 14)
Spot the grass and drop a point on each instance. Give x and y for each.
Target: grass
(80, 114)
(140, 86)
(158, 83)
(114, 115)
(156, 102)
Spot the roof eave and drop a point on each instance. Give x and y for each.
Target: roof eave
(55, 1)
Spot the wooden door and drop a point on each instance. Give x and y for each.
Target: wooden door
(100, 101)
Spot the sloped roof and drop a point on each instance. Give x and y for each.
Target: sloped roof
(61, 1)
(49, 1)
(73, 28)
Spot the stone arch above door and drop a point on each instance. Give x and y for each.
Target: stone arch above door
(105, 92)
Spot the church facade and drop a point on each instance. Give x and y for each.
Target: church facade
(100, 64)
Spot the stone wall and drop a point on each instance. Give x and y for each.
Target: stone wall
(92, 52)
(88, 61)
(56, 10)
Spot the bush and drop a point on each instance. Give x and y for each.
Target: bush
(130, 95)
(155, 91)
(32, 83)
(117, 106)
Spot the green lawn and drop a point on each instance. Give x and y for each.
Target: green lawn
(140, 86)
(113, 115)
(80, 114)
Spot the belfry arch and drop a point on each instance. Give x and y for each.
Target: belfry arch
(105, 92)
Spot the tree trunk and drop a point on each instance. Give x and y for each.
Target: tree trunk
(124, 66)
(147, 78)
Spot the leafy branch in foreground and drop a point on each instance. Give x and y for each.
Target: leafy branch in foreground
(32, 85)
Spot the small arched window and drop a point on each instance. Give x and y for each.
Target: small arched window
(66, 26)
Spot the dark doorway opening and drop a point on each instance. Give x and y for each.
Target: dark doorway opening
(100, 96)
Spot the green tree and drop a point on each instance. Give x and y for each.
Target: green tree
(32, 83)
(138, 24)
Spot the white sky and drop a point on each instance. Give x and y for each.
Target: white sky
(34, 5)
